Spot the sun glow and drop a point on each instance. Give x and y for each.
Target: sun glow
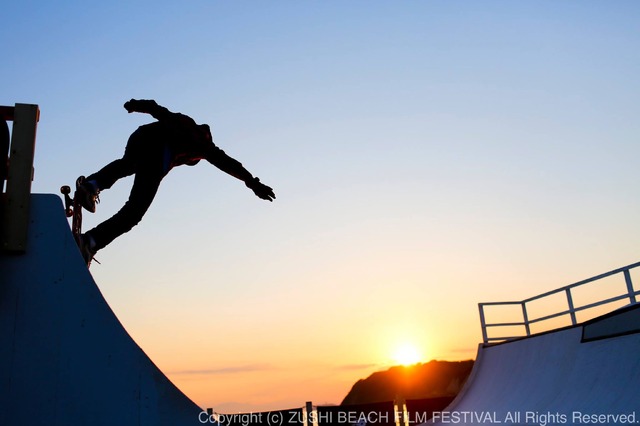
(407, 354)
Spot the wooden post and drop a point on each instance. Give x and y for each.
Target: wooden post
(15, 206)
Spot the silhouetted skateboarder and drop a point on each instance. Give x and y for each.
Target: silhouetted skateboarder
(151, 152)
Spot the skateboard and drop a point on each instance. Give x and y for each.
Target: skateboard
(73, 209)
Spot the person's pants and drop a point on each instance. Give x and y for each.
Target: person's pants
(144, 158)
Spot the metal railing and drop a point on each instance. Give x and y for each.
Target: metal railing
(571, 310)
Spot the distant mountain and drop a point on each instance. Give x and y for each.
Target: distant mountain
(431, 380)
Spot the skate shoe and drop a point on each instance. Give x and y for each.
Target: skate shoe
(88, 194)
(84, 244)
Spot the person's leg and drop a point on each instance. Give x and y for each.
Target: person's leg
(89, 188)
(123, 167)
(109, 174)
(145, 187)
(144, 157)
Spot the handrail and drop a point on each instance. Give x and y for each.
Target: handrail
(570, 310)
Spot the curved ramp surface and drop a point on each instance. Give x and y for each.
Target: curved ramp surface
(65, 359)
(555, 378)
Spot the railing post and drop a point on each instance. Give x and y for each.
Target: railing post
(627, 279)
(398, 411)
(309, 417)
(572, 311)
(483, 324)
(525, 316)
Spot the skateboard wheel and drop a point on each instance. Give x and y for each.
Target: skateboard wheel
(65, 189)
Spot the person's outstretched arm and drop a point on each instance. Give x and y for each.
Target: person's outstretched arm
(160, 113)
(233, 167)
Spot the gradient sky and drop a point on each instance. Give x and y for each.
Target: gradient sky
(426, 155)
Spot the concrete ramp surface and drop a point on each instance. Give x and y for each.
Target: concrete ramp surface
(65, 359)
(560, 377)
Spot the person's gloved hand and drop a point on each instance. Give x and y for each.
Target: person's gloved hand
(261, 190)
(139, 105)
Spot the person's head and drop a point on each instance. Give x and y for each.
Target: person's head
(205, 131)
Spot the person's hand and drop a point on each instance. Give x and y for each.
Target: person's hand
(142, 105)
(129, 105)
(261, 190)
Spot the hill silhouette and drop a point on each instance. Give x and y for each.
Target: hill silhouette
(431, 380)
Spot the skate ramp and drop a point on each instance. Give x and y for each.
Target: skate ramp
(589, 370)
(65, 359)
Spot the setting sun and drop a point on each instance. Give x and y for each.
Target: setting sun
(407, 354)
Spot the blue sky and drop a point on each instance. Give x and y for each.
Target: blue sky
(426, 155)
